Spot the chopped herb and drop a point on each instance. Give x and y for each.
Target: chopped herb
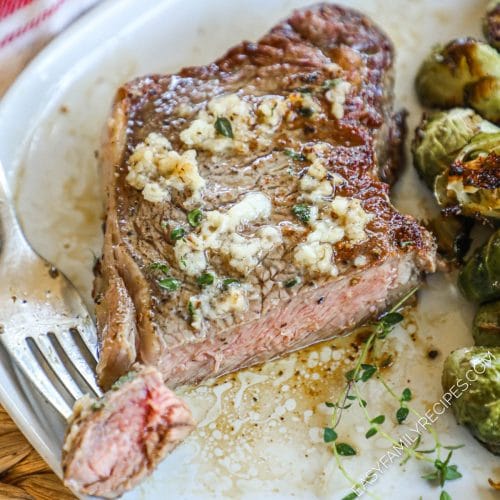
(362, 403)
(159, 266)
(306, 112)
(404, 244)
(291, 282)
(169, 284)
(444, 496)
(177, 233)
(194, 217)
(97, 405)
(302, 212)
(371, 432)
(401, 414)
(191, 309)
(223, 127)
(122, 380)
(329, 435)
(329, 405)
(328, 84)
(345, 449)
(205, 279)
(294, 155)
(226, 283)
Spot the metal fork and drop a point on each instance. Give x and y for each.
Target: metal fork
(44, 324)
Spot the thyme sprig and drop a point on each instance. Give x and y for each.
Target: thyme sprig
(442, 470)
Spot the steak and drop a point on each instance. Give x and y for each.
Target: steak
(247, 202)
(114, 442)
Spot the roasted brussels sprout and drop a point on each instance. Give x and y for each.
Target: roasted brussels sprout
(479, 280)
(440, 137)
(472, 182)
(491, 24)
(453, 235)
(484, 97)
(450, 73)
(457, 153)
(486, 328)
(472, 376)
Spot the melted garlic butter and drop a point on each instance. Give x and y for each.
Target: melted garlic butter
(155, 169)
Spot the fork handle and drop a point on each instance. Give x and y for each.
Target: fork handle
(12, 240)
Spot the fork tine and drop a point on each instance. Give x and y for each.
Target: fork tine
(74, 355)
(57, 365)
(87, 335)
(31, 369)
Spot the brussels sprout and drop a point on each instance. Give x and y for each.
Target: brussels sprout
(452, 234)
(491, 24)
(472, 182)
(440, 137)
(486, 328)
(443, 77)
(484, 97)
(479, 280)
(472, 376)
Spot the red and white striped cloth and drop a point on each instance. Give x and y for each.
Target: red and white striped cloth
(26, 26)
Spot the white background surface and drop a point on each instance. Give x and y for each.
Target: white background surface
(259, 432)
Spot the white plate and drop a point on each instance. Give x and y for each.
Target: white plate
(259, 431)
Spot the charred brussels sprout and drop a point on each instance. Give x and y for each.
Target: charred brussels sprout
(479, 280)
(450, 73)
(491, 24)
(484, 97)
(472, 183)
(472, 375)
(440, 137)
(486, 329)
(457, 153)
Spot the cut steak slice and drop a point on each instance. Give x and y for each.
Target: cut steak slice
(114, 442)
(247, 202)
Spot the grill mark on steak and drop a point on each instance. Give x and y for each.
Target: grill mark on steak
(365, 148)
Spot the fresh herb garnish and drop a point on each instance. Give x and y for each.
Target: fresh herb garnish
(194, 217)
(345, 450)
(329, 84)
(159, 266)
(294, 155)
(123, 379)
(302, 212)
(404, 244)
(329, 435)
(97, 405)
(291, 282)
(226, 283)
(362, 373)
(223, 127)
(177, 234)
(170, 284)
(205, 279)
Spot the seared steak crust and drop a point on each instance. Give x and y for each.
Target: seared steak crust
(360, 144)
